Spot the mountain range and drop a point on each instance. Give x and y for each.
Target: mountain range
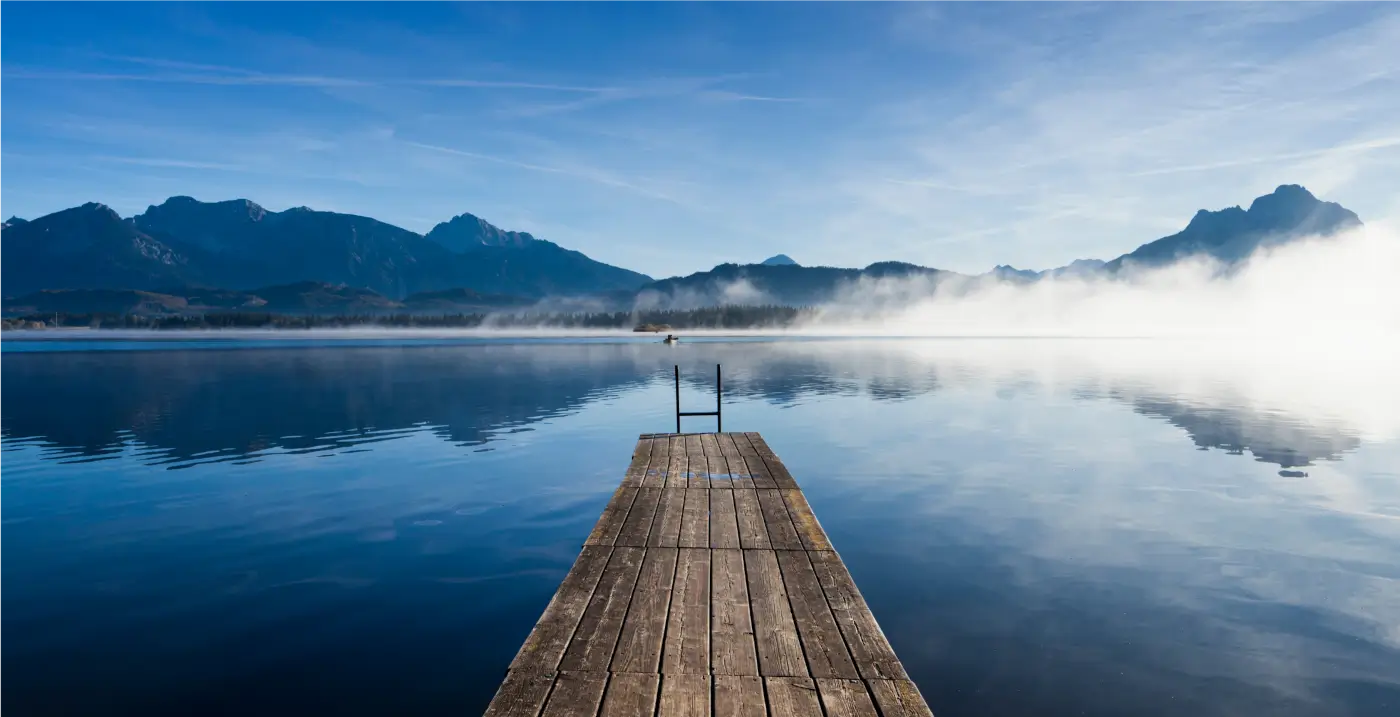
(88, 258)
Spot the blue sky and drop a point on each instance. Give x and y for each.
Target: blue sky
(670, 137)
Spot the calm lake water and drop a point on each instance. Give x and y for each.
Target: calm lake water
(372, 526)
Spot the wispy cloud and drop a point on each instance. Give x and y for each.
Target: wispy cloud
(171, 163)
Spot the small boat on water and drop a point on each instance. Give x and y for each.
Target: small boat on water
(670, 339)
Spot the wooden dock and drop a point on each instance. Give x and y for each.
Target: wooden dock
(707, 588)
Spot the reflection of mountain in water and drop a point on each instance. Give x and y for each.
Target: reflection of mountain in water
(191, 404)
(211, 405)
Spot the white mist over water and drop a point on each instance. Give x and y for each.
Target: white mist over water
(1339, 289)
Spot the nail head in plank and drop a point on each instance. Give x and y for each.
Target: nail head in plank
(639, 646)
(591, 648)
(688, 627)
(791, 697)
(637, 527)
(666, 528)
(899, 698)
(546, 643)
(576, 694)
(724, 526)
(845, 698)
(637, 469)
(695, 520)
(821, 639)
(685, 696)
(779, 650)
(521, 694)
(872, 652)
(630, 695)
(753, 533)
(733, 651)
(697, 468)
(739, 696)
(781, 531)
(808, 529)
(738, 469)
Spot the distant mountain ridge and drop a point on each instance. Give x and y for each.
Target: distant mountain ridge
(239, 244)
(304, 297)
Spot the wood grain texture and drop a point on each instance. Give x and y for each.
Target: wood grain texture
(821, 639)
(684, 696)
(874, 657)
(756, 466)
(630, 695)
(547, 641)
(724, 526)
(666, 527)
(637, 469)
(677, 465)
(639, 645)
(779, 649)
(845, 698)
(655, 475)
(609, 524)
(688, 628)
(592, 646)
(636, 528)
(776, 469)
(739, 696)
(719, 468)
(699, 470)
(899, 698)
(521, 694)
(792, 697)
(576, 694)
(732, 640)
(695, 520)
(809, 531)
(781, 532)
(739, 474)
(753, 532)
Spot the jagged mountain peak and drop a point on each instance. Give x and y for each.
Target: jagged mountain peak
(466, 231)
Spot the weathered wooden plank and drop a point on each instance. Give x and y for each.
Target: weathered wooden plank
(808, 529)
(821, 639)
(724, 526)
(781, 532)
(791, 697)
(779, 650)
(630, 695)
(637, 469)
(732, 649)
(666, 528)
(609, 524)
(697, 467)
(757, 468)
(637, 526)
(685, 696)
(753, 533)
(655, 475)
(695, 520)
(899, 698)
(719, 468)
(874, 657)
(739, 696)
(776, 469)
(688, 627)
(845, 698)
(677, 466)
(521, 694)
(550, 636)
(639, 646)
(576, 694)
(738, 469)
(591, 648)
